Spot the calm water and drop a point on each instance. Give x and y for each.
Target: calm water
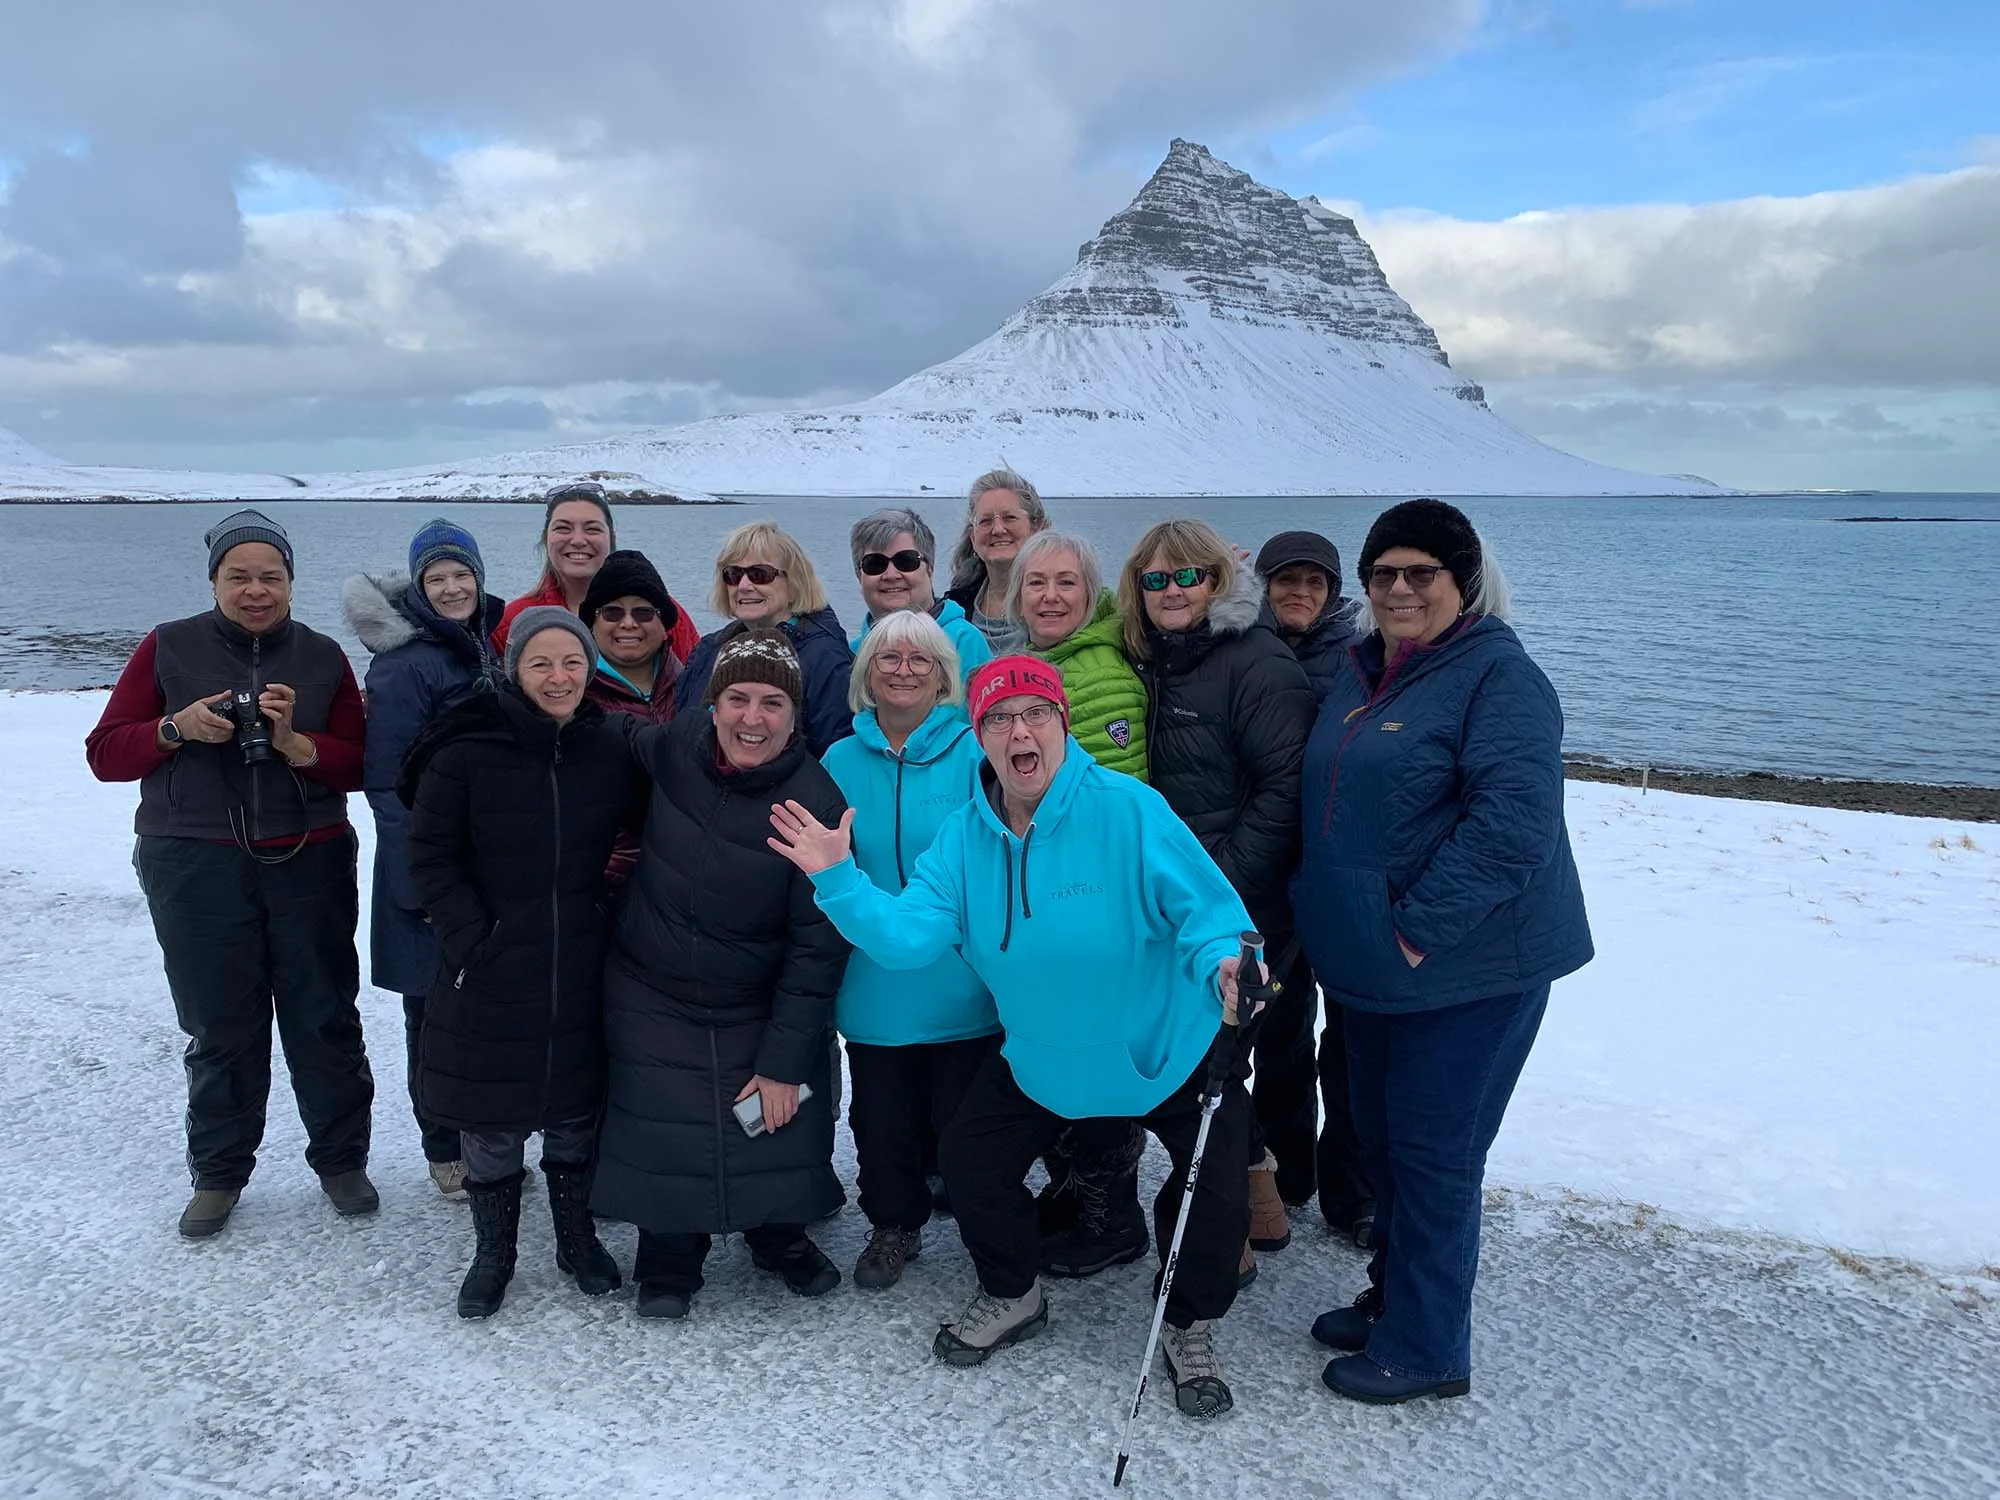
(1738, 634)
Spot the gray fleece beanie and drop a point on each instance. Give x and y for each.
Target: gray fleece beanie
(531, 622)
(245, 526)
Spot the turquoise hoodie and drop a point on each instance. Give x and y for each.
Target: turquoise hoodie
(965, 637)
(1098, 934)
(900, 802)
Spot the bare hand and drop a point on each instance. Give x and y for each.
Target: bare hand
(1410, 955)
(200, 722)
(278, 702)
(1227, 980)
(807, 842)
(781, 1100)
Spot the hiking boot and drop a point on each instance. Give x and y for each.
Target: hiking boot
(1110, 1226)
(351, 1192)
(496, 1221)
(804, 1266)
(882, 1259)
(989, 1323)
(579, 1252)
(207, 1211)
(1270, 1229)
(1363, 1232)
(1348, 1327)
(449, 1178)
(1359, 1378)
(1199, 1389)
(1246, 1268)
(656, 1301)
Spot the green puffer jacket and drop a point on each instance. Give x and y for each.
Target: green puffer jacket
(1107, 705)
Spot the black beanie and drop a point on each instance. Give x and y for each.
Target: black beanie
(630, 573)
(1428, 526)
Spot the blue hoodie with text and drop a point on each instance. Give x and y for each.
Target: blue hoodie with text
(966, 638)
(1099, 934)
(900, 801)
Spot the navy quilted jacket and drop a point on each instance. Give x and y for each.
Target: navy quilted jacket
(1433, 810)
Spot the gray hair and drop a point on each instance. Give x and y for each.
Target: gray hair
(875, 531)
(1034, 553)
(1494, 596)
(909, 631)
(965, 564)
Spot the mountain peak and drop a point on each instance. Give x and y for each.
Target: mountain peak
(1204, 239)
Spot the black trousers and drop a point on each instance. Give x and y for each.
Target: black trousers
(244, 941)
(904, 1098)
(1345, 1193)
(1000, 1131)
(1282, 1094)
(440, 1142)
(673, 1262)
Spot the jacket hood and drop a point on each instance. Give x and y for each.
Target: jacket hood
(943, 727)
(1056, 800)
(1237, 610)
(385, 611)
(819, 622)
(1235, 613)
(1337, 624)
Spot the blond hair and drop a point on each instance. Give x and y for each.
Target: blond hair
(1179, 543)
(765, 539)
(907, 630)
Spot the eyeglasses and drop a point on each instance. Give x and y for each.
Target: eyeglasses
(1000, 520)
(1419, 576)
(614, 614)
(875, 564)
(1035, 715)
(1187, 578)
(915, 663)
(758, 573)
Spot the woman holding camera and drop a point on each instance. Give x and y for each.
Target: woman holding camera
(718, 995)
(428, 633)
(515, 798)
(244, 731)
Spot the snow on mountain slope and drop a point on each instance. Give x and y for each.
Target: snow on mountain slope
(27, 473)
(1215, 337)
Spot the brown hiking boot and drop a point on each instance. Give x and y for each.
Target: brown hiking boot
(1269, 1228)
(207, 1211)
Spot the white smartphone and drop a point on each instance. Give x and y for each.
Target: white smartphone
(749, 1110)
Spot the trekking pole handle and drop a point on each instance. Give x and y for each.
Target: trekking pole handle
(1228, 1042)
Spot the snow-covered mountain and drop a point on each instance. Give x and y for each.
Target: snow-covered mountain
(1215, 337)
(27, 473)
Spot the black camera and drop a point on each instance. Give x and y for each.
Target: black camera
(253, 730)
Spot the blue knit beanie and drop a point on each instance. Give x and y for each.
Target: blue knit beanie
(440, 540)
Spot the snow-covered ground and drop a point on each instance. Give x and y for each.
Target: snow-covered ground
(1742, 1242)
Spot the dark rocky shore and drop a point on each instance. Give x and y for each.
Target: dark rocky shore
(1977, 804)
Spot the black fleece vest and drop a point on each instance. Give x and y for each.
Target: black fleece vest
(195, 793)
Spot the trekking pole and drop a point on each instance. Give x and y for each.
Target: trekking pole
(1222, 1056)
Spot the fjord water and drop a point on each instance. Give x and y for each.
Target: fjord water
(1746, 633)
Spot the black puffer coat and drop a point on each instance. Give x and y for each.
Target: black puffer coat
(1227, 717)
(512, 819)
(1321, 648)
(723, 967)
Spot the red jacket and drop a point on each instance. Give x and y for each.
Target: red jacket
(680, 640)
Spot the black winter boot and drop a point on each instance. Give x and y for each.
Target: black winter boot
(1110, 1225)
(496, 1219)
(579, 1252)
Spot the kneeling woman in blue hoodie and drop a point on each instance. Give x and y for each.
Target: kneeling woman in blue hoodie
(1108, 938)
(914, 1041)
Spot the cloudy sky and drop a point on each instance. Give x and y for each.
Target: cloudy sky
(1759, 242)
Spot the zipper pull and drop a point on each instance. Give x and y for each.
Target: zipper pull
(459, 983)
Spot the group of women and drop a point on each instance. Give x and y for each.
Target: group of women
(632, 882)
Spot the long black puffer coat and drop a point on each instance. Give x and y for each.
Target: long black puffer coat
(723, 967)
(1227, 717)
(512, 819)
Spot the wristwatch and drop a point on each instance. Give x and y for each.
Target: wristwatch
(170, 732)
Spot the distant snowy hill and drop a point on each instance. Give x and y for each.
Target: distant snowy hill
(1215, 337)
(27, 473)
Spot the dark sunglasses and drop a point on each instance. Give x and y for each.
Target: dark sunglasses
(642, 614)
(875, 564)
(1187, 578)
(758, 573)
(1419, 576)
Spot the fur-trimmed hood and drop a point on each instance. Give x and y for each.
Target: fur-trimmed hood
(1236, 611)
(386, 612)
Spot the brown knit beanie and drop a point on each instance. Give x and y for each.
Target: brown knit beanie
(760, 656)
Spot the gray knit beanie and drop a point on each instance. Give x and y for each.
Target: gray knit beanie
(246, 526)
(531, 622)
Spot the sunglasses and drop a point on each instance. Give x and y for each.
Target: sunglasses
(1418, 576)
(758, 573)
(1035, 715)
(1187, 578)
(614, 614)
(875, 564)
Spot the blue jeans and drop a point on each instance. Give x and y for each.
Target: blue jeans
(1429, 1090)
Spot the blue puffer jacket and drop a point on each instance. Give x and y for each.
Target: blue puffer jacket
(423, 664)
(900, 802)
(966, 638)
(824, 660)
(1098, 934)
(1433, 810)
